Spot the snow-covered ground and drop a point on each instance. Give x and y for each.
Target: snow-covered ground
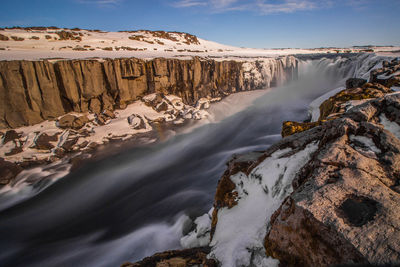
(134, 119)
(30, 44)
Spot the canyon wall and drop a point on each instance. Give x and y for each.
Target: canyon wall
(33, 91)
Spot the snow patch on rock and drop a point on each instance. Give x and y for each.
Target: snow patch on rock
(200, 236)
(314, 105)
(391, 126)
(365, 145)
(134, 119)
(239, 233)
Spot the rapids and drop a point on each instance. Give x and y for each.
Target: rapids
(129, 206)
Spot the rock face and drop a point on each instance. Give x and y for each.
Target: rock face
(345, 203)
(33, 91)
(337, 104)
(177, 258)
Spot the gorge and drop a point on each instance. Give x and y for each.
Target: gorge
(154, 148)
(140, 201)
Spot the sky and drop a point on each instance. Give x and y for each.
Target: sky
(243, 23)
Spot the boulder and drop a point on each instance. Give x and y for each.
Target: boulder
(344, 208)
(292, 127)
(43, 141)
(72, 121)
(11, 135)
(8, 171)
(176, 258)
(80, 122)
(95, 106)
(355, 82)
(163, 106)
(136, 122)
(336, 105)
(153, 100)
(109, 113)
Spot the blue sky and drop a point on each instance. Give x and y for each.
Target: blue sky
(247, 23)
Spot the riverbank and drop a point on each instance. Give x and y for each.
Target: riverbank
(297, 201)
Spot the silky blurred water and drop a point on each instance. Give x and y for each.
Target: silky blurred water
(136, 203)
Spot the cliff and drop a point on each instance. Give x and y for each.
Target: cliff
(34, 91)
(327, 194)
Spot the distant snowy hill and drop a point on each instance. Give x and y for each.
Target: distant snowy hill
(52, 42)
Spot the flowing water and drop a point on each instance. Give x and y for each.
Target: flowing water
(137, 203)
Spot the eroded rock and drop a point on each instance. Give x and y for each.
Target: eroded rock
(44, 141)
(343, 208)
(72, 121)
(8, 171)
(292, 127)
(176, 258)
(35, 91)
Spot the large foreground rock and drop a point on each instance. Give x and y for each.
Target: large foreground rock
(345, 207)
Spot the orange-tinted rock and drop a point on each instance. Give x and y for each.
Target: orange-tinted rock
(344, 208)
(176, 258)
(34, 91)
(292, 127)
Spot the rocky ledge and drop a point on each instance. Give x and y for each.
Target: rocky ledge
(327, 194)
(52, 110)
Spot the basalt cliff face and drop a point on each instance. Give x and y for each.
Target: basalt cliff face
(34, 91)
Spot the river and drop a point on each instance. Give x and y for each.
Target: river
(131, 205)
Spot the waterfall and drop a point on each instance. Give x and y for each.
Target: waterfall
(131, 205)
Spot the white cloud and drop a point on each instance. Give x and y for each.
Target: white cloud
(222, 3)
(263, 7)
(189, 3)
(101, 2)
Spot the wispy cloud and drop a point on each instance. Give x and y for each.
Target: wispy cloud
(263, 7)
(100, 2)
(189, 3)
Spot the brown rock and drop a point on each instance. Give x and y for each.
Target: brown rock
(163, 106)
(344, 207)
(355, 82)
(16, 150)
(10, 135)
(42, 141)
(80, 122)
(334, 105)
(8, 171)
(33, 91)
(176, 258)
(292, 127)
(66, 121)
(95, 106)
(4, 38)
(72, 121)
(69, 144)
(109, 113)
(137, 122)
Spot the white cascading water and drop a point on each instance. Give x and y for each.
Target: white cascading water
(139, 202)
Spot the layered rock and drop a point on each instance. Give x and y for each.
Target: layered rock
(177, 258)
(33, 91)
(357, 91)
(345, 204)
